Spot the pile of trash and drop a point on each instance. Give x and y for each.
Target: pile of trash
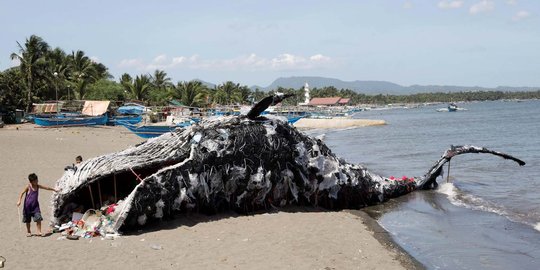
(92, 223)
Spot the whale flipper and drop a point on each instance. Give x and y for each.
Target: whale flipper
(266, 102)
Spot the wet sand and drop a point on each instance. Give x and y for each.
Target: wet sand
(296, 237)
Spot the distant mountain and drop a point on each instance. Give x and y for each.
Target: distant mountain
(451, 88)
(205, 83)
(379, 87)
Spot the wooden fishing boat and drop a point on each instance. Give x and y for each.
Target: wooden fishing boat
(93, 113)
(123, 119)
(63, 121)
(151, 131)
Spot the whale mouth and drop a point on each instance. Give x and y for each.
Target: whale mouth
(107, 189)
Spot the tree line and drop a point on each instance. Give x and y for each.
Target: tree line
(45, 73)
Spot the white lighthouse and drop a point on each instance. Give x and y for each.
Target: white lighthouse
(306, 95)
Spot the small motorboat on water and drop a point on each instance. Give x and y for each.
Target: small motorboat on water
(452, 107)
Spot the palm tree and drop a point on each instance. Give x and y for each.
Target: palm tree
(160, 80)
(192, 93)
(31, 58)
(84, 71)
(228, 93)
(245, 94)
(137, 88)
(57, 71)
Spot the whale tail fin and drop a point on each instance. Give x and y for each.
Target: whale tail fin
(429, 179)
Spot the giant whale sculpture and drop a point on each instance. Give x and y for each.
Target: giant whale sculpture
(242, 163)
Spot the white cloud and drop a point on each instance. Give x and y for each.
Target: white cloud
(482, 6)
(450, 4)
(521, 15)
(179, 60)
(319, 57)
(407, 5)
(285, 61)
(511, 2)
(160, 58)
(131, 63)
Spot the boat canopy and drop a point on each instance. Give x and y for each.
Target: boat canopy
(95, 107)
(131, 109)
(45, 107)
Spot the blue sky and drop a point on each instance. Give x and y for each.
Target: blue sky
(470, 42)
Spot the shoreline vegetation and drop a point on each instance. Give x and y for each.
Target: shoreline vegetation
(46, 73)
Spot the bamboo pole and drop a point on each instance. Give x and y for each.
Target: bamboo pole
(99, 193)
(136, 175)
(91, 196)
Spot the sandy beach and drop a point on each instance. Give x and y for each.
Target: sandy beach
(294, 238)
(336, 123)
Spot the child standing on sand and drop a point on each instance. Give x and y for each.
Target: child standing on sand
(31, 203)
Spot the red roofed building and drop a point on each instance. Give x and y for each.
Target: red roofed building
(344, 101)
(329, 101)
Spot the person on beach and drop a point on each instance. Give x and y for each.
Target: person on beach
(31, 204)
(73, 167)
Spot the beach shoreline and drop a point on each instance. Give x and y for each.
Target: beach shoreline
(294, 237)
(336, 123)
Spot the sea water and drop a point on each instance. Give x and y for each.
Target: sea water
(488, 215)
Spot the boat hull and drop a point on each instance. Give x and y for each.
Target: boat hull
(148, 132)
(129, 119)
(293, 120)
(71, 121)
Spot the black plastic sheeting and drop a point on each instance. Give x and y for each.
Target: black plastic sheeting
(235, 163)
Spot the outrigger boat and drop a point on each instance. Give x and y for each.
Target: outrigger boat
(63, 121)
(130, 113)
(151, 131)
(93, 113)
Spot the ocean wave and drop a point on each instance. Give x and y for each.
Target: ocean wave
(459, 198)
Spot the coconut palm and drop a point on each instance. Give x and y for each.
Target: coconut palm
(228, 93)
(84, 71)
(137, 88)
(57, 72)
(245, 94)
(160, 80)
(192, 93)
(31, 57)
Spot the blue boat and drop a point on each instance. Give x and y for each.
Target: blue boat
(64, 121)
(123, 119)
(131, 109)
(130, 113)
(293, 119)
(151, 131)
